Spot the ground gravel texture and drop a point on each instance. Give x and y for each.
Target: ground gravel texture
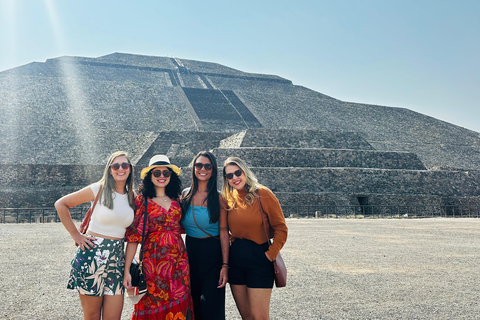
(337, 269)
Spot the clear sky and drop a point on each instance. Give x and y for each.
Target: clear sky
(423, 55)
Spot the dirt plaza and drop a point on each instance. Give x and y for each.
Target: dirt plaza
(337, 269)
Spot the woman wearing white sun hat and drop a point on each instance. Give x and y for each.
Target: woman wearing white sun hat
(165, 263)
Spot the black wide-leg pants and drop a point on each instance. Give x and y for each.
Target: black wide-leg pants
(205, 259)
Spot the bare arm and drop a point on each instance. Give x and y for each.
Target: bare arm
(129, 255)
(224, 243)
(63, 206)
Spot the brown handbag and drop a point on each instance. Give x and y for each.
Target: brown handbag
(88, 216)
(278, 263)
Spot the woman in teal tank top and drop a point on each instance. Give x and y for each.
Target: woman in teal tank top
(207, 240)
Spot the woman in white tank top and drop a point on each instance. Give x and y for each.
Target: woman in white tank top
(98, 266)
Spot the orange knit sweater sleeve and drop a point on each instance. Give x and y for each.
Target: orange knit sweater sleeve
(275, 220)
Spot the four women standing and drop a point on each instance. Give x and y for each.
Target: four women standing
(212, 221)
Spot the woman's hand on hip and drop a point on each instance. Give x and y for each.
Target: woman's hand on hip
(85, 242)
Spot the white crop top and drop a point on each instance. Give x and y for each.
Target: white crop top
(107, 222)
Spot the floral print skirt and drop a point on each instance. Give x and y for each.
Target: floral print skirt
(99, 271)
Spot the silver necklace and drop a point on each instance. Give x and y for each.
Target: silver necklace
(164, 200)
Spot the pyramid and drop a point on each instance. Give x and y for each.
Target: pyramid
(60, 119)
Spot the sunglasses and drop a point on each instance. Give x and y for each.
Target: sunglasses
(229, 176)
(158, 173)
(207, 166)
(116, 166)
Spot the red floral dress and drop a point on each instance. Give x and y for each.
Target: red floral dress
(165, 263)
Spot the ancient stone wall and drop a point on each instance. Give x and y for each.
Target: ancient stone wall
(296, 139)
(41, 185)
(320, 158)
(368, 181)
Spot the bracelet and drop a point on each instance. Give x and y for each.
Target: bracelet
(225, 265)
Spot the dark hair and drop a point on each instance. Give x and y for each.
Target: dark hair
(172, 190)
(213, 203)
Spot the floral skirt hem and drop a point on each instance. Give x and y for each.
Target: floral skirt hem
(99, 271)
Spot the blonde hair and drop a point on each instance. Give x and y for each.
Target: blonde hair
(108, 183)
(251, 185)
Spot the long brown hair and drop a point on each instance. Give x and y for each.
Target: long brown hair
(251, 184)
(108, 183)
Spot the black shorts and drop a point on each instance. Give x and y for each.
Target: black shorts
(249, 265)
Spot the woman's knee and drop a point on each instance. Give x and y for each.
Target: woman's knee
(92, 307)
(112, 307)
(259, 300)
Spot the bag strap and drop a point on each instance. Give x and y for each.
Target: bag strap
(193, 215)
(143, 232)
(263, 218)
(265, 226)
(86, 221)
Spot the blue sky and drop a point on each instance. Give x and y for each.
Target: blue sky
(423, 55)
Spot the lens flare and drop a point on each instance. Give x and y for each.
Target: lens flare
(77, 103)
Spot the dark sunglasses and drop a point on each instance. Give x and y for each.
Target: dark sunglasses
(207, 166)
(229, 176)
(158, 173)
(116, 166)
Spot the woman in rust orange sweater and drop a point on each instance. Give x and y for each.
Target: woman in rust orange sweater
(251, 274)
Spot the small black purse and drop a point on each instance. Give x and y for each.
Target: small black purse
(136, 270)
(138, 280)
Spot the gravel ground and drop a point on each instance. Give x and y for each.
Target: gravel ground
(337, 269)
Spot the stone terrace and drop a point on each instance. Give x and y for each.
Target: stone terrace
(284, 138)
(310, 157)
